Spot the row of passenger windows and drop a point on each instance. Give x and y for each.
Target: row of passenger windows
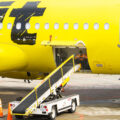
(56, 26)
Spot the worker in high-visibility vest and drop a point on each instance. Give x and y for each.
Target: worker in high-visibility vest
(82, 59)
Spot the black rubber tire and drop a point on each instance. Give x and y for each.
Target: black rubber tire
(53, 115)
(73, 107)
(19, 117)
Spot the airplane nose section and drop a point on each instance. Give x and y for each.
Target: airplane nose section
(11, 58)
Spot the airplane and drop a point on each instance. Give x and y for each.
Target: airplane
(35, 33)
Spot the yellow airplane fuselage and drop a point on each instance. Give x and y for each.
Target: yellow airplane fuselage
(102, 45)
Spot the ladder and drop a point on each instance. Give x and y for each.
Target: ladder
(49, 85)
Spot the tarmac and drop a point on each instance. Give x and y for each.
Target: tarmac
(99, 96)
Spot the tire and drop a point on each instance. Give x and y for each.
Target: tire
(73, 107)
(18, 117)
(53, 114)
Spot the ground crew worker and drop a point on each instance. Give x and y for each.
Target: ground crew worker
(29, 76)
(81, 59)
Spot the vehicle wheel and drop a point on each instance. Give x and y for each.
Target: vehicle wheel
(53, 114)
(73, 107)
(18, 117)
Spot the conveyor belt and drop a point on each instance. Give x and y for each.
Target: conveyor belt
(21, 108)
(53, 78)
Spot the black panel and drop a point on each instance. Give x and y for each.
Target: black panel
(25, 104)
(42, 89)
(67, 66)
(6, 3)
(55, 77)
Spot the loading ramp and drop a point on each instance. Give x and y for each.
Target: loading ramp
(59, 77)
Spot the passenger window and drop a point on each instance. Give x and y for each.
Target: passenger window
(86, 26)
(66, 26)
(76, 26)
(27, 26)
(9, 25)
(96, 26)
(106, 26)
(47, 26)
(18, 26)
(37, 26)
(56, 26)
(1, 25)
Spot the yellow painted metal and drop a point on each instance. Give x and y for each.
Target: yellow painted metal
(36, 96)
(62, 72)
(19, 114)
(74, 63)
(12, 58)
(38, 58)
(50, 86)
(102, 45)
(65, 81)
